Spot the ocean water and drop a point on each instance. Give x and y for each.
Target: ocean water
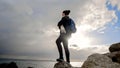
(36, 63)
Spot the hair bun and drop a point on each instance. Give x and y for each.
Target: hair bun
(66, 12)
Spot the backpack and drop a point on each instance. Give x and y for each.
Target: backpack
(71, 27)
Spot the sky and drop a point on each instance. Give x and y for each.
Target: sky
(28, 28)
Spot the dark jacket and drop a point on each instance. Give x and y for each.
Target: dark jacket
(65, 22)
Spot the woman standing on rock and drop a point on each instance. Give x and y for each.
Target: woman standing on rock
(69, 28)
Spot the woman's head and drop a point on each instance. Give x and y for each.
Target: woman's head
(65, 12)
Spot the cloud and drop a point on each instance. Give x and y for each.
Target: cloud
(92, 22)
(82, 54)
(96, 15)
(115, 3)
(28, 28)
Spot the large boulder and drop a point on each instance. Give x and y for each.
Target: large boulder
(12, 65)
(99, 61)
(3, 65)
(114, 47)
(62, 65)
(9, 65)
(115, 56)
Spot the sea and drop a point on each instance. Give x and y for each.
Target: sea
(36, 63)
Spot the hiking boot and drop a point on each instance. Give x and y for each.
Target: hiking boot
(60, 60)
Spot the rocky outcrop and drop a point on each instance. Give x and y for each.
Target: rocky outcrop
(115, 56)
(99, 61)
(114, 47)
(30, 67)
(8, 65)
(64, 65)
(114, 52)
(108, 60)
(3, 65)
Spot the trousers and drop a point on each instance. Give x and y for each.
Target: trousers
(63, 38)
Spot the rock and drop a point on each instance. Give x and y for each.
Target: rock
(118, 57)
(114, 47)
(30, 67)
(115, 56)
(99, 61)
(8, 65)
(3, 65)
(12, 65)
(62, 65)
